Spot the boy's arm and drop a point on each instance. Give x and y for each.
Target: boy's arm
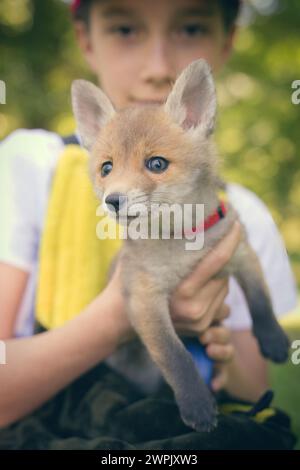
(38, 367)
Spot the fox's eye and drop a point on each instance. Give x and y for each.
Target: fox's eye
(157, 164)
(106, 168)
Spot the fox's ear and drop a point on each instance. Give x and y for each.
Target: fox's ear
(192, 101)
(92, 110)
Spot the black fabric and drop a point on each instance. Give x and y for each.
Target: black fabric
(102, 410)
(70, 139)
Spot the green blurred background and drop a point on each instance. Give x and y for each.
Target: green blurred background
(258, 129)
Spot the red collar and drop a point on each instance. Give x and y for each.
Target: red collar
(218, 214)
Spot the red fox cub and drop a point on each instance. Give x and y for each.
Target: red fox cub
(165, 155)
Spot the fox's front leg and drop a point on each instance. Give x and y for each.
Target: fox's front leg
(273, 342)
(149, 315)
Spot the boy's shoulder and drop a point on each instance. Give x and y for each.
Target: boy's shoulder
(260, 226)
(249, 205)
(28, 159)
(38, 148)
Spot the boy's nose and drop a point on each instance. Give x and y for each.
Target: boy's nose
(117, 200)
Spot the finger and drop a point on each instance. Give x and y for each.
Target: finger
(220, 352)
(216, 334)
(222, 313)
(189, 288)
(208, 318)
(197, 323)
(197, 307)
(216, 259)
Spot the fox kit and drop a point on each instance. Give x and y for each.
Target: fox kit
(165, 154)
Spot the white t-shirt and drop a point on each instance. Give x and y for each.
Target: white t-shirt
(27, 163)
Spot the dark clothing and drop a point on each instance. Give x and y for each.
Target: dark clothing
(102, 410)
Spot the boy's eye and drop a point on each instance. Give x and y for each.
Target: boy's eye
(106, 168)
(123, 30)
(194, 29)
(156, 164)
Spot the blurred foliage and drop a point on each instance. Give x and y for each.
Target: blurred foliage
(258, 130)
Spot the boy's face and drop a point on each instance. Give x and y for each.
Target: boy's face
(137, 48)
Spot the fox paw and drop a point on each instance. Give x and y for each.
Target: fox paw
(201, 418)
(274, 344)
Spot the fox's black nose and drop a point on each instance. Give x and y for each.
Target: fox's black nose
(117, 200)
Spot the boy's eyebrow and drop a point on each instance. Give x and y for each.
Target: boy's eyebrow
(119, 11)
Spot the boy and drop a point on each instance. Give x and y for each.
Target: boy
(136, 48)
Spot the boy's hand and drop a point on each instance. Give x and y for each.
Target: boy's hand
(198, 301)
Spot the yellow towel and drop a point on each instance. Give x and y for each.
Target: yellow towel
(73, 261)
